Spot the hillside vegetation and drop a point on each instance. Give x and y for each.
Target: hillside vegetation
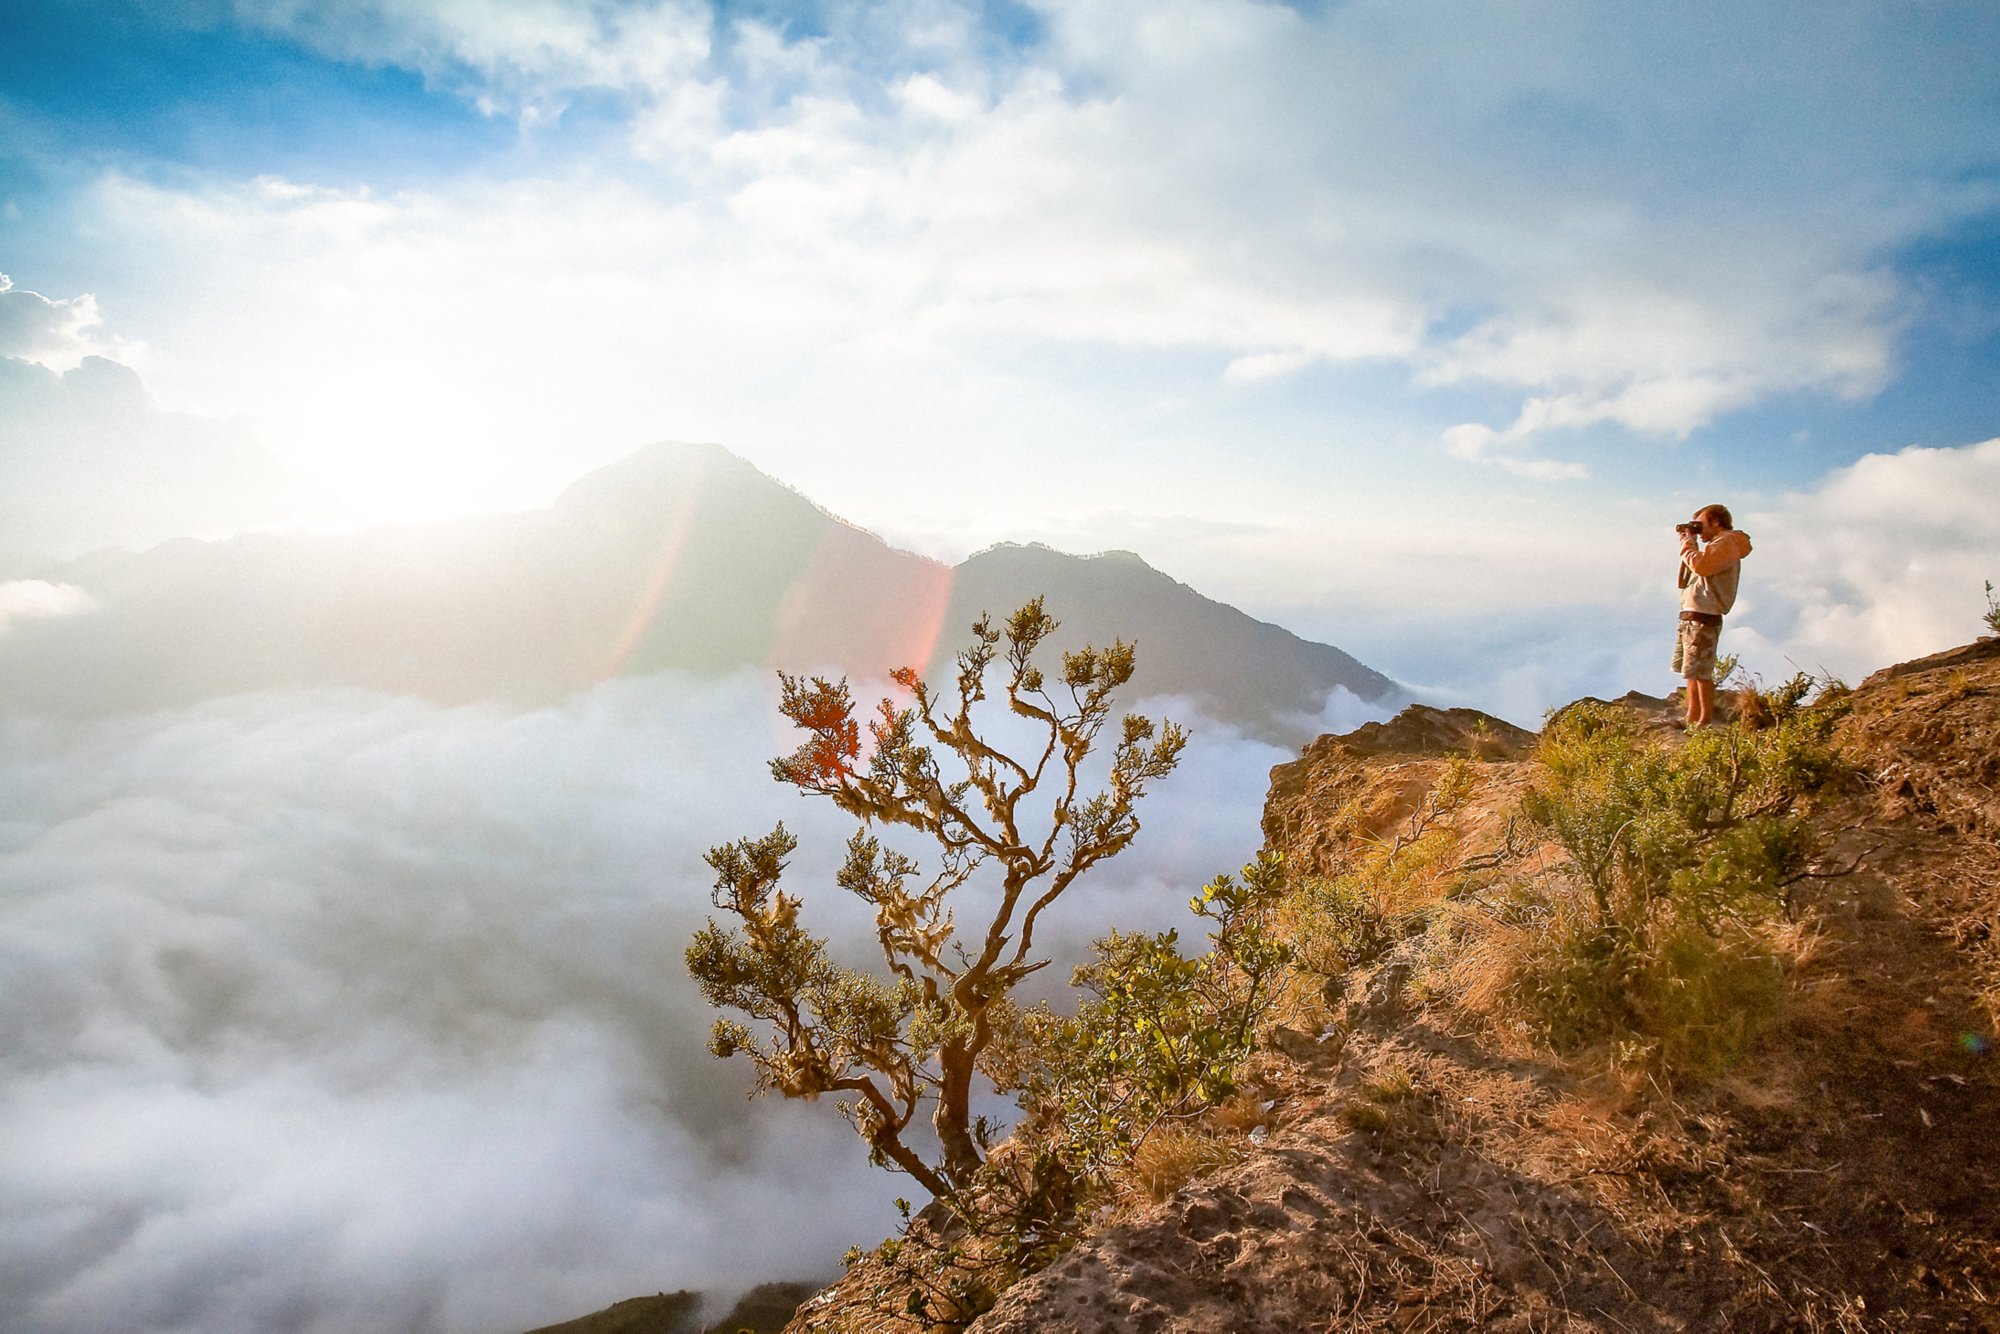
(1611, 1028)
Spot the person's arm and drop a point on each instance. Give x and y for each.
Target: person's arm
(1722, 553)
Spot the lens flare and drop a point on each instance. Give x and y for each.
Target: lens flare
(664, 565)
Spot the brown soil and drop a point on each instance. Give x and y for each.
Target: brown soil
(1425, 1173)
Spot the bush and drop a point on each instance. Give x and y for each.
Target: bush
(1389, 890)
(1683, 855)
(1161, 1038)
(1336, 924)
(1704, 996)
(1691, 999)
(1702, 828)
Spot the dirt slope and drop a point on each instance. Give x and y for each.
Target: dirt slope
(1422, 1174)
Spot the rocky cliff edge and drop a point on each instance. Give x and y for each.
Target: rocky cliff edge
(1419, 1167)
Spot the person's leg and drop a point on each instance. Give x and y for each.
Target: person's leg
(1680, 668)
(1698, 643)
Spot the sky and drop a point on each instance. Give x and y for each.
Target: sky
(1395, 323)
(1411, 327)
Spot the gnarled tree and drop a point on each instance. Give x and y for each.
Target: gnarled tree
(888, 1045)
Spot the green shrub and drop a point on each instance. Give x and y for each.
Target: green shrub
(1162, 1036)
(1684, 853)
(1992, 611)
(1704, 997)
(1335, 924)
(1158, 1043)
(1690, 999)
(1387, 893)
(1640, 819)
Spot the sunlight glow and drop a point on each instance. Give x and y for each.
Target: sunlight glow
(389, 444)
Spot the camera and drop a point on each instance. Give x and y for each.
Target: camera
(1688, 529)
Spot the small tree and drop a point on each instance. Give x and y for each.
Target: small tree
(888, 1046)
(1162, 1037)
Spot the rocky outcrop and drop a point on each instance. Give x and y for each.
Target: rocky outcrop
(1423, 1172)
(1965, 655)
(1423, 730)
(1370, 782)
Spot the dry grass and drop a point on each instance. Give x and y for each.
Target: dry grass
(1179, 1152)
(1382, 1101)
(1174, 1155)
(1238, 1115)
(1819, 1183)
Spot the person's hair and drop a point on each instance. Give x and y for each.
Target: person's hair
(1721, 513)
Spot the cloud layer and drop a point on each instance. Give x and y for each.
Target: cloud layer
(335, 1011)
(87, 460)
(875, 237)
(1886, 560)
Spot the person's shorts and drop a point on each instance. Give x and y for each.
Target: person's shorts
(1694, 650)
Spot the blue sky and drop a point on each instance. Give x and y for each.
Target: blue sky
(1411, 326)
(1354, 314)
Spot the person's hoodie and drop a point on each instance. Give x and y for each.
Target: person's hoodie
(1714, 570)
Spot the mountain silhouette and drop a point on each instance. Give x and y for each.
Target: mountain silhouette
(678, 557)
(1259, 677)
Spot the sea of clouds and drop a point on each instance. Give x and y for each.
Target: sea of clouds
(335, 1011)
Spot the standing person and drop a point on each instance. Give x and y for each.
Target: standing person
(1712, 553)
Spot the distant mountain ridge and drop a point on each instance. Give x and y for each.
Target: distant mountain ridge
(680, 556)
(1242, 671)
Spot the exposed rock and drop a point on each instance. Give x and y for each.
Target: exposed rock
(1838, 1179)
(1651, 708)
(1423, 730)
(1980, 650)
(1384, 1002)
(1372, 782)
(1422, 1171)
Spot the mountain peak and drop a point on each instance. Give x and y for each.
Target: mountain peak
(1115, 556)
(654, 471)
(679, 556)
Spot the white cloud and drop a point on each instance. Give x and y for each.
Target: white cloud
(53, 333)
(1520, 663)
(1704, 341)
(333, 1011)
(510, 56)
(1266, 365)
(871, 237)
(1546, 470)
(38, 599)
(87, 461)
(1883, 561)
(1476, 443)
